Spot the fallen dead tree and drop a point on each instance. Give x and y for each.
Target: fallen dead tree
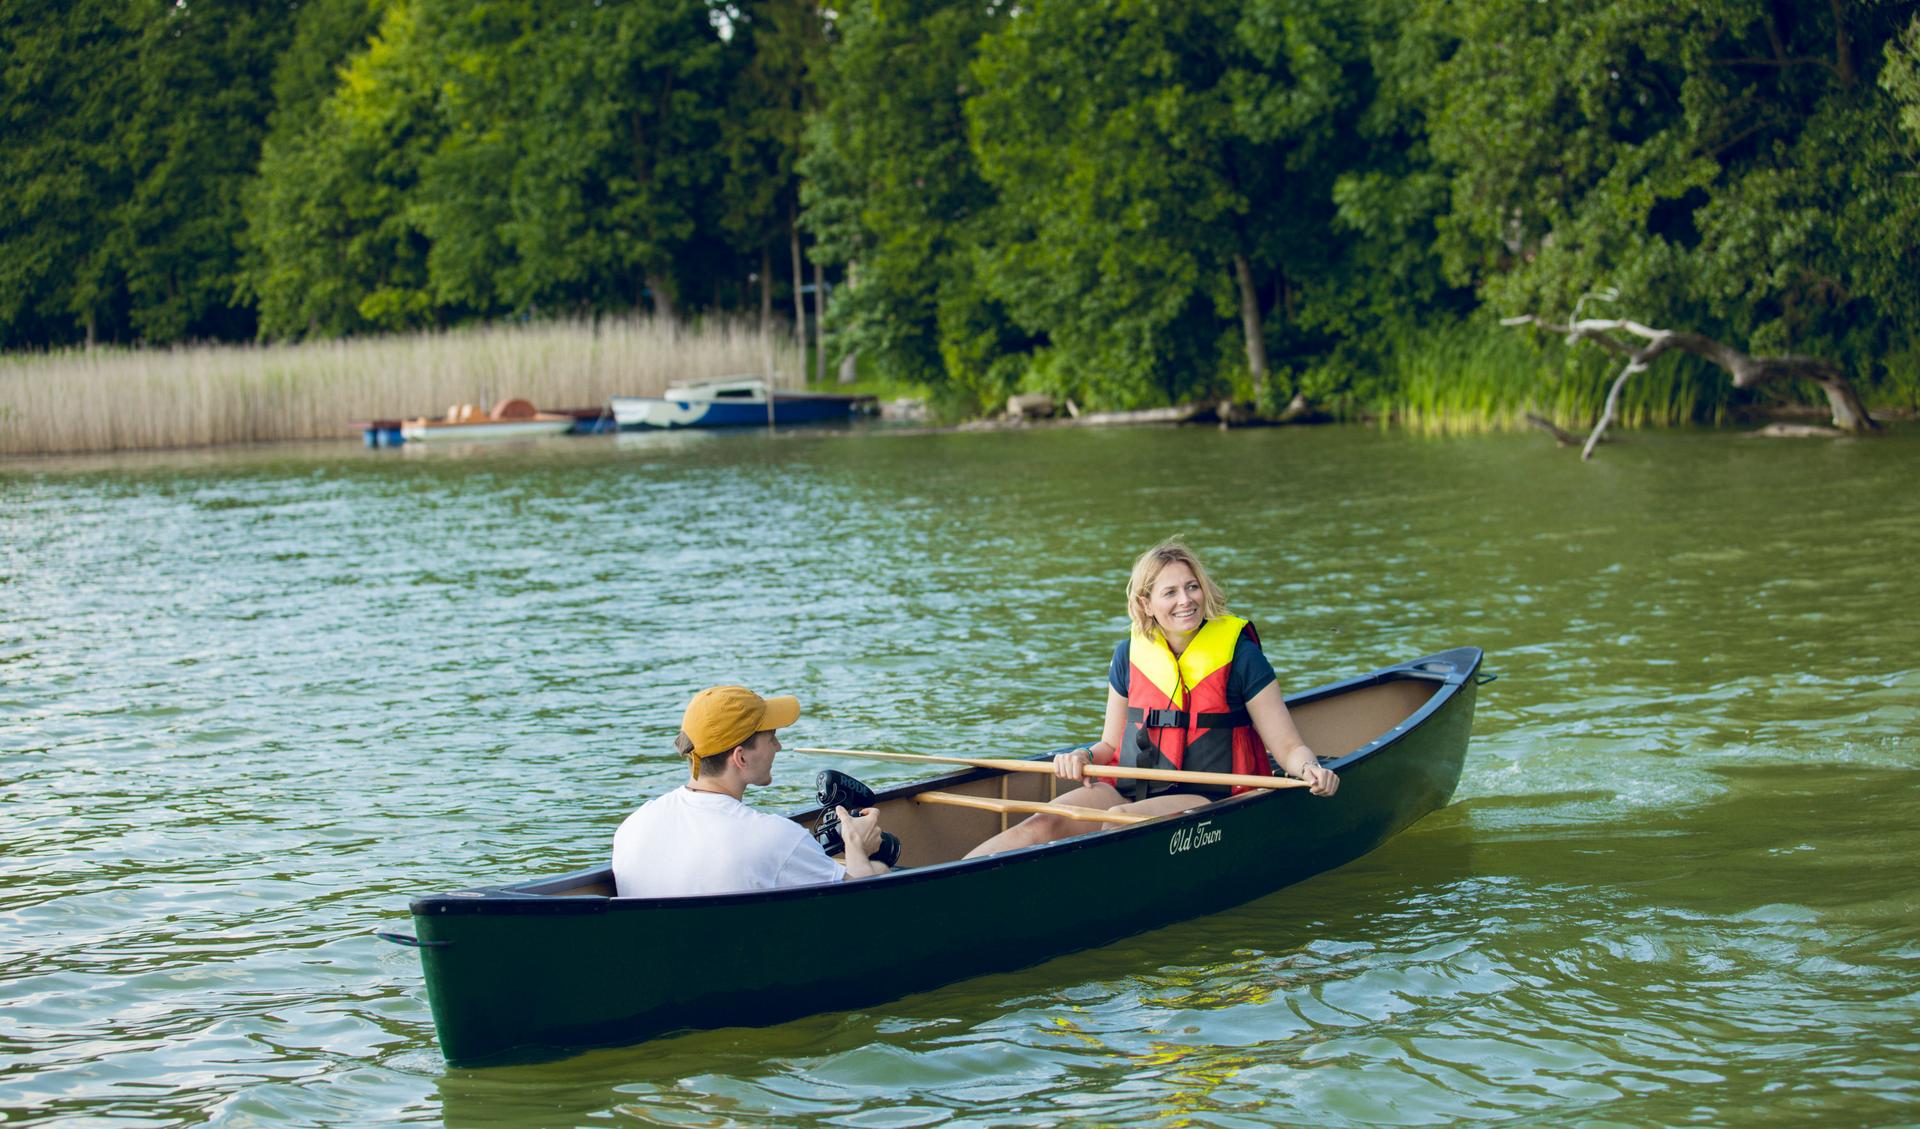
(1560, 435)
(1026, 416)
(1616, 336)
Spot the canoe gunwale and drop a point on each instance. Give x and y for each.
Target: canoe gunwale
(1454, 669)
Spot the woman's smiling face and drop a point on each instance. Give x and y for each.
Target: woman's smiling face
(1176, 601)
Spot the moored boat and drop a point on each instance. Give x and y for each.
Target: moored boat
(545, 968)
(736, 401)
(509, 419)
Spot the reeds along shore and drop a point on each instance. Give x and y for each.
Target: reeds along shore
(133, 399)
(1474, 377)
(1467, 377)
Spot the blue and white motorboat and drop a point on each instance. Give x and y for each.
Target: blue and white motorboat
(734, 401)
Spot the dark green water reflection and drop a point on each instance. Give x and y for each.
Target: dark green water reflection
(251, 701)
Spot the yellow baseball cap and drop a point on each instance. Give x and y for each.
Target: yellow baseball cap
(721, 717)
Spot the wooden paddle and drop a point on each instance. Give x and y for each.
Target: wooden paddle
(1029, 807)
(1208, 779)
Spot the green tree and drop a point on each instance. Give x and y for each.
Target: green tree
(1901, 76)
(582, 144)
(1165, 176)
(332, 248)
(128, 131)
(503, 157)
(193, 127)
(1384, 294)
(1731, 167)
(783, 45)
(63, 64)
(893, 193)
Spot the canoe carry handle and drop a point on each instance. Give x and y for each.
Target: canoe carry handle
(409, 940)
(1438, 671)
(1442, 671)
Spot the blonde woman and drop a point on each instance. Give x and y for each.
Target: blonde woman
(1190, 689)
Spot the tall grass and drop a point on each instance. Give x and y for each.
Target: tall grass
(129, 399)
(1479, 376)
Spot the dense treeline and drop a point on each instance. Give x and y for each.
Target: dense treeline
(1124, 201)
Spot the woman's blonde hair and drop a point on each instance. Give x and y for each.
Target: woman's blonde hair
(1148, 568)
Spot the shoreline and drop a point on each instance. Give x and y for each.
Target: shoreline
(1789, 422)
(117, 401)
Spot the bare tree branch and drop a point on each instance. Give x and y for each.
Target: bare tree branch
(1560, 435)
(1615, 334)
(1612, 410)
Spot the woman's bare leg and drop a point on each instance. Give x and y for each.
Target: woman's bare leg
(1037, 829)
(1162, 805)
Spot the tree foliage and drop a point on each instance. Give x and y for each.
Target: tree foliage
(129, 131)
(332, 250)
(895, 193)
(1144, 153)
(1124, 201)
(783, 46)
(1729, 166)
(497, 159)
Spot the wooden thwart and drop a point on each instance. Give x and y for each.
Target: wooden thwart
(1029, 807)
(1121, 772)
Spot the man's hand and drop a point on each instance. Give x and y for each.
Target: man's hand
(861, 833)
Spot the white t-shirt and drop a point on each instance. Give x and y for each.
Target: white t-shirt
(689, 842)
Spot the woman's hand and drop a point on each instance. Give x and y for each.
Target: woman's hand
(1072, 765)
(1323, 782)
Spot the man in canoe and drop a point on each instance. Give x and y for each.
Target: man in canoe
(1188, 689)
(703, 838)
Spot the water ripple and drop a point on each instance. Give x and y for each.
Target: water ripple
(251, 701)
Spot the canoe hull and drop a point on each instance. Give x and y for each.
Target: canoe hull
(514, 975)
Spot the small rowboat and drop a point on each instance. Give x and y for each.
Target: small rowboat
(509, 419)
(737, 401)
(546, 968)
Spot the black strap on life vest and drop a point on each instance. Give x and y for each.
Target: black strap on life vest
(1158, 719)
(1177, 719)
(1144, 719)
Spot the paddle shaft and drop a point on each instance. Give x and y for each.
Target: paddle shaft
(1029, 807)
(1123, 772)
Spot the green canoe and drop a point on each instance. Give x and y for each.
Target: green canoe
(543, 969)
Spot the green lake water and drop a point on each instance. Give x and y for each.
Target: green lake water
(251, 701)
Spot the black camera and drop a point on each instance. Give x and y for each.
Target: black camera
(837, 789)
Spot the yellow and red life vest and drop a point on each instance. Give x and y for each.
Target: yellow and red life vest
(1177, 713)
